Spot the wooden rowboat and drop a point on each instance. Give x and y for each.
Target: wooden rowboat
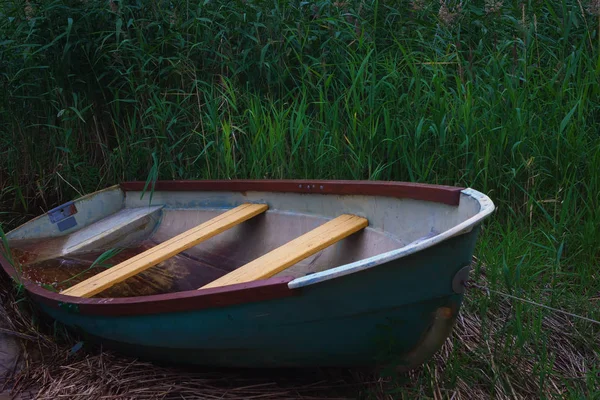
(256, 273)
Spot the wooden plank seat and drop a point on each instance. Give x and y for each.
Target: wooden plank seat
(165, 250)
(294, 251)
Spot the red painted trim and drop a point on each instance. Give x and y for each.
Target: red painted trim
(418, 191)
(191, 300)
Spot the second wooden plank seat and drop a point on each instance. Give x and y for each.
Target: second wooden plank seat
(292, 252)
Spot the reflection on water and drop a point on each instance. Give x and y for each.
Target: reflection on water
(178, 273)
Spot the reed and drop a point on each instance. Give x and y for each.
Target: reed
(499, 96)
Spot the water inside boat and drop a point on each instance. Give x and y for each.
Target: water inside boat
(198, 265)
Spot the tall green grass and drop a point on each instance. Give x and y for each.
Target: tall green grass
(99, 92)
(505, 99)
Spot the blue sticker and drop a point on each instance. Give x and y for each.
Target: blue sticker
(63, 216)
(66, 224)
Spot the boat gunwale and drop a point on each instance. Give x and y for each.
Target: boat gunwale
(189, 300)
(268, 289)
(449, 195)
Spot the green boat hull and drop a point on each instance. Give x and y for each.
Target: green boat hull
(399, 313)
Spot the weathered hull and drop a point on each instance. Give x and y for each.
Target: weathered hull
(387, 295)
(400, 313)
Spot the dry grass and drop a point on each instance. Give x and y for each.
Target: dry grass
(514, 376)
(50, 371)
(107, 376)
(500, 366)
